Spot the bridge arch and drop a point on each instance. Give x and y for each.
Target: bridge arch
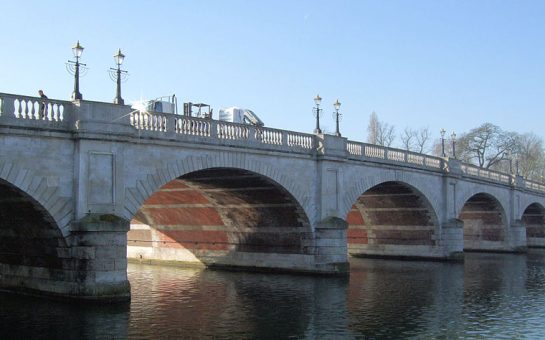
(466, 190)
(218, 216)
(44, 190)
(31, 243)
(533, 218)
(393, 219)
(426, 186)
(146, 185)
(485, 223)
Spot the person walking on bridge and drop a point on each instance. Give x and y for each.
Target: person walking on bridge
(43, 104)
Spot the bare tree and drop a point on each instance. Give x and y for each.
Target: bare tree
(386, 135)
(380, 133)
(408, 138)
(530, 156)
(486, 145)
(373, 129)
(422, 140)
(415, 140)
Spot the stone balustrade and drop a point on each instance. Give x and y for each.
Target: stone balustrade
(496, 176)
(56, 114)
(24, 108)
(371, 152)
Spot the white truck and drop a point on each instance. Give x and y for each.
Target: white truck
(166, 104)
(169, 104)
(241, 116)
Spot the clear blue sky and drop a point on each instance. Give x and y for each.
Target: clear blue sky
(437, 64)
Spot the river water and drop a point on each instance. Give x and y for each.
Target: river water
(487, 296)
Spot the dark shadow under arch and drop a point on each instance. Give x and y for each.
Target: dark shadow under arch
(208, 215)
(29, 236)
(533, 219)
(392, 219)
(484, 223)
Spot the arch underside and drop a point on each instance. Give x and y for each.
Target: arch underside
(218, 216)
(533, 219)
(31, 244)
(484, 224)
(392, 219)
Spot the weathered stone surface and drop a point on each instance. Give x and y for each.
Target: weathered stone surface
(69, 187)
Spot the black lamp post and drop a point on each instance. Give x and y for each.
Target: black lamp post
(317, 112)
(443, 142)
(338, 117)
(77, 50)
(117, 73)
(453, 136)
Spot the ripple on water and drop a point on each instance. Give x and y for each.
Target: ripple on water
(488, 296)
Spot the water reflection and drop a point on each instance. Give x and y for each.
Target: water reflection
(499, 296)
(27, 317)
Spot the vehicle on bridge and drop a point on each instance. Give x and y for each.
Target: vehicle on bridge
(164, 104)
(241, 116)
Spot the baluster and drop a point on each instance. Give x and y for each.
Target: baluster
(25, 109)
(30, 109)
(17, 108)
(54, 109)
(36, 109)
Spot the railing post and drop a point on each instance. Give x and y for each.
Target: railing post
(213, 129)
(284, 140)
(454, 166)
(170, 129)
(7, 107)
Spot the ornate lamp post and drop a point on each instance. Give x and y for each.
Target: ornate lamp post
(453, 136)
(317, 112)
(338, 116)
(77, 50)
(443, 142)
(116, 74)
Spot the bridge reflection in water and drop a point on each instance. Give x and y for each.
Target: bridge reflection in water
(488, 296)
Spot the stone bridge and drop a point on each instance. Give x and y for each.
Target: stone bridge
(85, 186)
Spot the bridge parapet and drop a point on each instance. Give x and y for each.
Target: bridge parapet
(495, 176)
(161, 125)
(371, 152)
(22, 110)
(26, 111)
(533, 185)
